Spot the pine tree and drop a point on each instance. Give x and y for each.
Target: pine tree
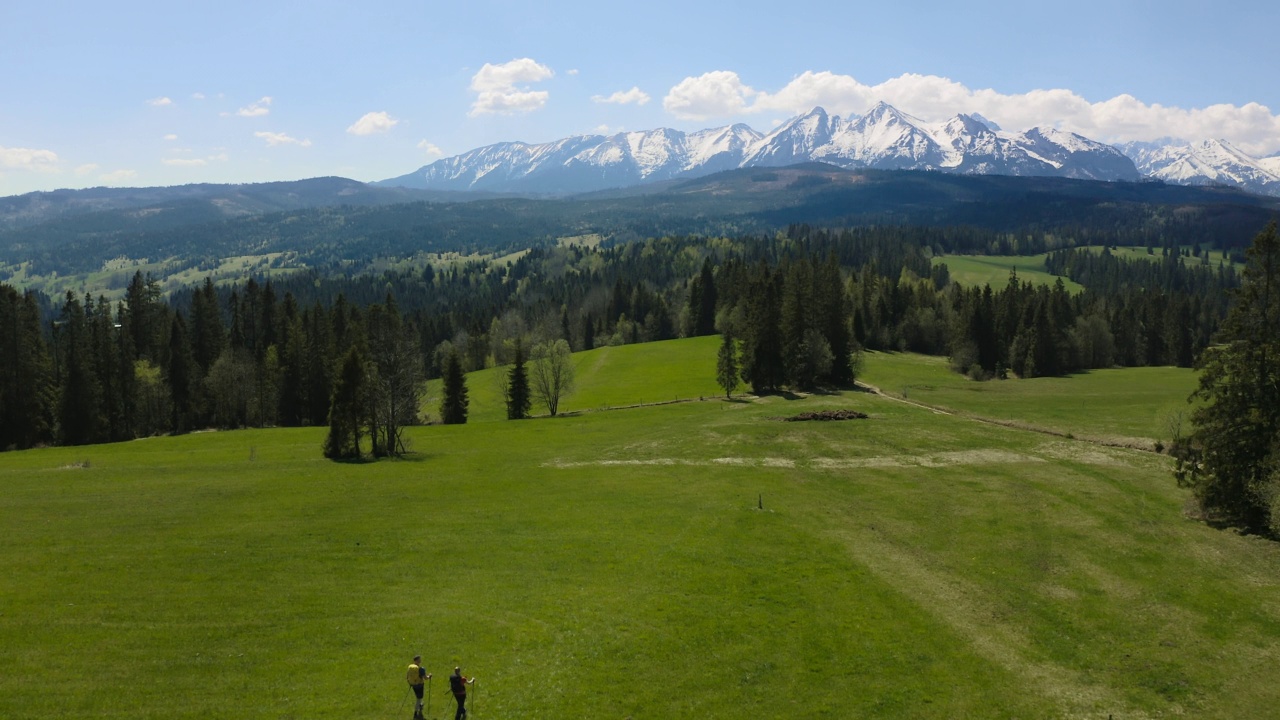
(26, 373)
(453, 407)
(727, 375)
(702, 301)
(833, 320)
(181, 374)
(80, 415)
(208, 334)
(346, 409)
(1232, 459)
(518, 397)
(762, 360)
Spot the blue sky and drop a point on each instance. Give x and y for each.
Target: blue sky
(144, 93)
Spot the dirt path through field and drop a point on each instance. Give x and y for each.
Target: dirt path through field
(1131, 443)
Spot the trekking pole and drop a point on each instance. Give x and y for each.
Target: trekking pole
(428, 697)
(475, 700)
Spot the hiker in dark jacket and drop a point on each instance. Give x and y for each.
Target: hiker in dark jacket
(458, 684)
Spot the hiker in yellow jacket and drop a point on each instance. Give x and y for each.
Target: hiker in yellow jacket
(417, 676)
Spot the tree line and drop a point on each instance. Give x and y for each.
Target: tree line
(798, 306)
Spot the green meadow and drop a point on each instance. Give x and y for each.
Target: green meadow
(690, 559)
(993, 270)
(1129, 406)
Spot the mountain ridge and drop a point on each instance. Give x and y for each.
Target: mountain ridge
(884, 138)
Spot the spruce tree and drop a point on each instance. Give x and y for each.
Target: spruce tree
(181, 374)
(1232, 459)
(346, 409)
(519, 399)
(762, 365)
(26, 373)
(727, 375)
(453, 407)
(80, 415)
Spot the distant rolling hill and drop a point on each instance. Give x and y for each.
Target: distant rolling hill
(209, 201)
(329, 219)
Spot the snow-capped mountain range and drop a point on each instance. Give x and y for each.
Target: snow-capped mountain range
(1209, 162)
(883, 138)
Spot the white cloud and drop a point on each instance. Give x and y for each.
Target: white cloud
(117, 177)
(572, 71)
(373, 123)
(87, 169)
(159, 102)
(713, 94)
(171, 137)
(430, 149)
(274, 139)
(1252, 127)
(504, 88)
(634, 96)
(197, 96)
(256, 109)
(184, 162)
(28, 159)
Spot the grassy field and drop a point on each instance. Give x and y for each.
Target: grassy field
(617, 564)
(607, 377)
(1135, 406)
(993, 270)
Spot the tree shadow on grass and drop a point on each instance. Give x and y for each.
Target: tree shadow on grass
(412, 456)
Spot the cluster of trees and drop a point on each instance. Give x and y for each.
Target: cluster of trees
(806, 325)
(101, 372)
(1231, 459)
(782, 326)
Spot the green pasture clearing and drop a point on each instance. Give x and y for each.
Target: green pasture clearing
(238, 268)
(1140, 253)
(993, 270)
(591, 240)
(606, 377)
(1125, 406)
(616, 564)
(113, 278)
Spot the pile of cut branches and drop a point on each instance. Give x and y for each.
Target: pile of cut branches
(827, 415)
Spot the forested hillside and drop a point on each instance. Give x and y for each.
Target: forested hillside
(998, 215)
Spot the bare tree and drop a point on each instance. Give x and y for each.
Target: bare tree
(551, 374)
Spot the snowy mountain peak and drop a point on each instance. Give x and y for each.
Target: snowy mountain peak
(883, 138)
(989, 123)
(1211, 162)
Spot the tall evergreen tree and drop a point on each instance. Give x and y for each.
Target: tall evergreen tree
(702, 301)
(453, 406)
(26, 373)
(727, 374)
(1232, 459)
(80, 415)
(181, 374)
(762, 360)
(832, 319)
(519, 399)
(208, 334)
(346, 409)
